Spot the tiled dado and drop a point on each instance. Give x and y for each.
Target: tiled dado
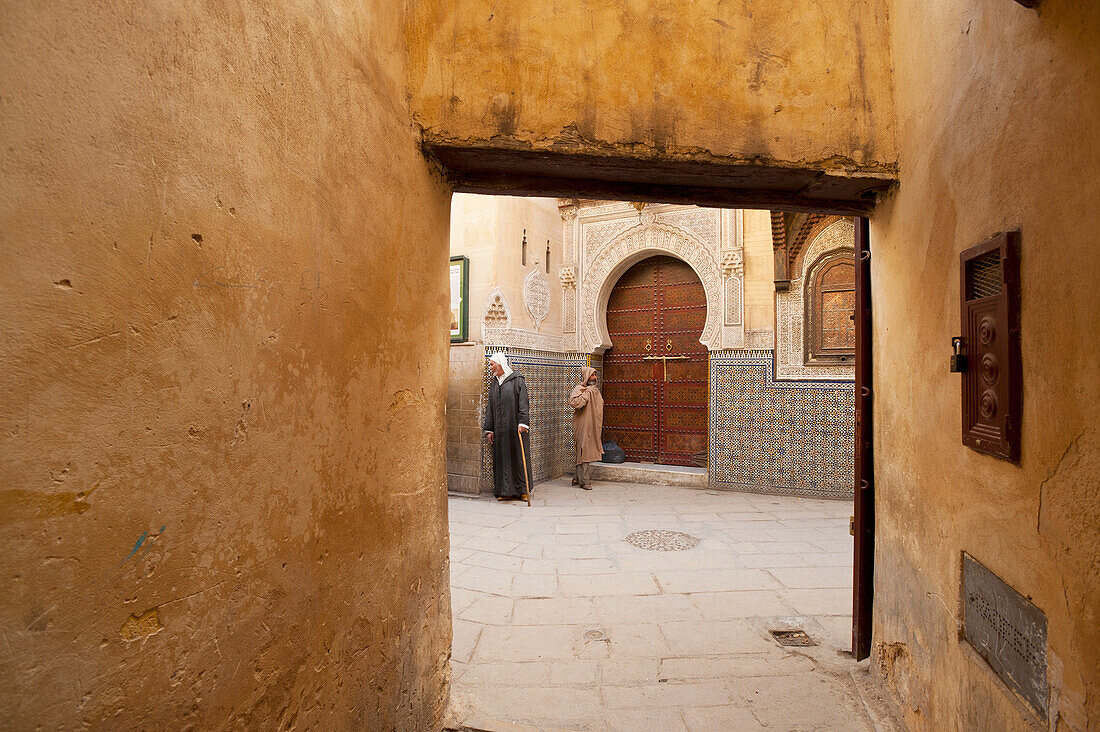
(767, 436)
(550, 377)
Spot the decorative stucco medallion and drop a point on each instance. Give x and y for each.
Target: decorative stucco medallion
(536, 295)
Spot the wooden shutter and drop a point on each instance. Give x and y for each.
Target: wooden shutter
(990, 320)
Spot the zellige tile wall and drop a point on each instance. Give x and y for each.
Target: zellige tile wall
(787, 437)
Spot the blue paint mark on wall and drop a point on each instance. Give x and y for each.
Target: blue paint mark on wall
(142, 540)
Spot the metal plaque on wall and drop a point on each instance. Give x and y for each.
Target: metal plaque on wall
(1008, 630)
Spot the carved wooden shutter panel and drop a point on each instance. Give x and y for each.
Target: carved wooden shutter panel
(990, 320)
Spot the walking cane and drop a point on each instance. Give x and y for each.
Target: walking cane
(523, 454)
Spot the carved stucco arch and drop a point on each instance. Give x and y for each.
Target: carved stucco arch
(629, 248)
(840, 234)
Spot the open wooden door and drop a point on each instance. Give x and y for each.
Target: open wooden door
(864, 522)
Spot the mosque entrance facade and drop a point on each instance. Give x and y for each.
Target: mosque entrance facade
(649, 292)
(655, 373)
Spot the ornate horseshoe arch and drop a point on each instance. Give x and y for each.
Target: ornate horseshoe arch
(632, 246)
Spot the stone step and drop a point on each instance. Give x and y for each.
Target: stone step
(650, 474)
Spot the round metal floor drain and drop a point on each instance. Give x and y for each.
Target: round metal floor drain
(661, 540)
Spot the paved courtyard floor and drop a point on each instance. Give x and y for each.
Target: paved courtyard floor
(562, 624)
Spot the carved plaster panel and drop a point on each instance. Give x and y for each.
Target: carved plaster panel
(764, 339)
(733, 263)
(518, 338)
(733, 301)
(733, 272)
(569, 223)
(597, 233)
(609, 208)
(790, 309)
(568, 277)
(569, 310)
(496, 314)
(701, 221)
(536, 295)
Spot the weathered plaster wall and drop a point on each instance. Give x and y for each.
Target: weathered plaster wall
(464, 410)
(998, 111)
(794, 82)
(223, 371)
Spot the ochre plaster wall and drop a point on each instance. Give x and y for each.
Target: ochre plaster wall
(998, 111)
(793, 82)
(465, 385)
(224, 367)
(540, 218)
(759, 279)
(489, 230)
(473, 234)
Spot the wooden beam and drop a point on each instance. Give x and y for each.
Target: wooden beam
(494, 170)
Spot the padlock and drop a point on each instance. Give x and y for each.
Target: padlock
(958, 359)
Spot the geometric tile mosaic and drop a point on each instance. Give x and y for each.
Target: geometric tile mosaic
(788, 437)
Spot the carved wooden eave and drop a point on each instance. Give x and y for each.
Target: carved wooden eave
(790, 232)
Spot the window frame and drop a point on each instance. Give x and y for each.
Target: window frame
(813, 309)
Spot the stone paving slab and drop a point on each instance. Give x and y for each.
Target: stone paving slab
(560, 624)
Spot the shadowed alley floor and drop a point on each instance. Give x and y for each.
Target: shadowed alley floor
(560, 623)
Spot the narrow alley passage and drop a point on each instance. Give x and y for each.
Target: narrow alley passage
(649, 608)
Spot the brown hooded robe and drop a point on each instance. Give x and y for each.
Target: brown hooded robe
(587, 403)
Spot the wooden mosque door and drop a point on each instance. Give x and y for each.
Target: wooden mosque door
(655, 373)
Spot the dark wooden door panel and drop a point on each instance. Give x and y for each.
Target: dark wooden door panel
(863, 518)
(630, 395)
(631, 321)
(627, 393)
(681, 392)
(656, 409)
(626, 418)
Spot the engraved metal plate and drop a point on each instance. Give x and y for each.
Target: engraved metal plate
(1008, 630)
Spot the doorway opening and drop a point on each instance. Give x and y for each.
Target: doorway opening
(557, 592)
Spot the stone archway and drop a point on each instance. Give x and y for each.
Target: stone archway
(632, 246)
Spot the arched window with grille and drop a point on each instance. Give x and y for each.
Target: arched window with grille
(830, 302)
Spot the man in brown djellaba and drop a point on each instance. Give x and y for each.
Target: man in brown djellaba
(587, 403)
